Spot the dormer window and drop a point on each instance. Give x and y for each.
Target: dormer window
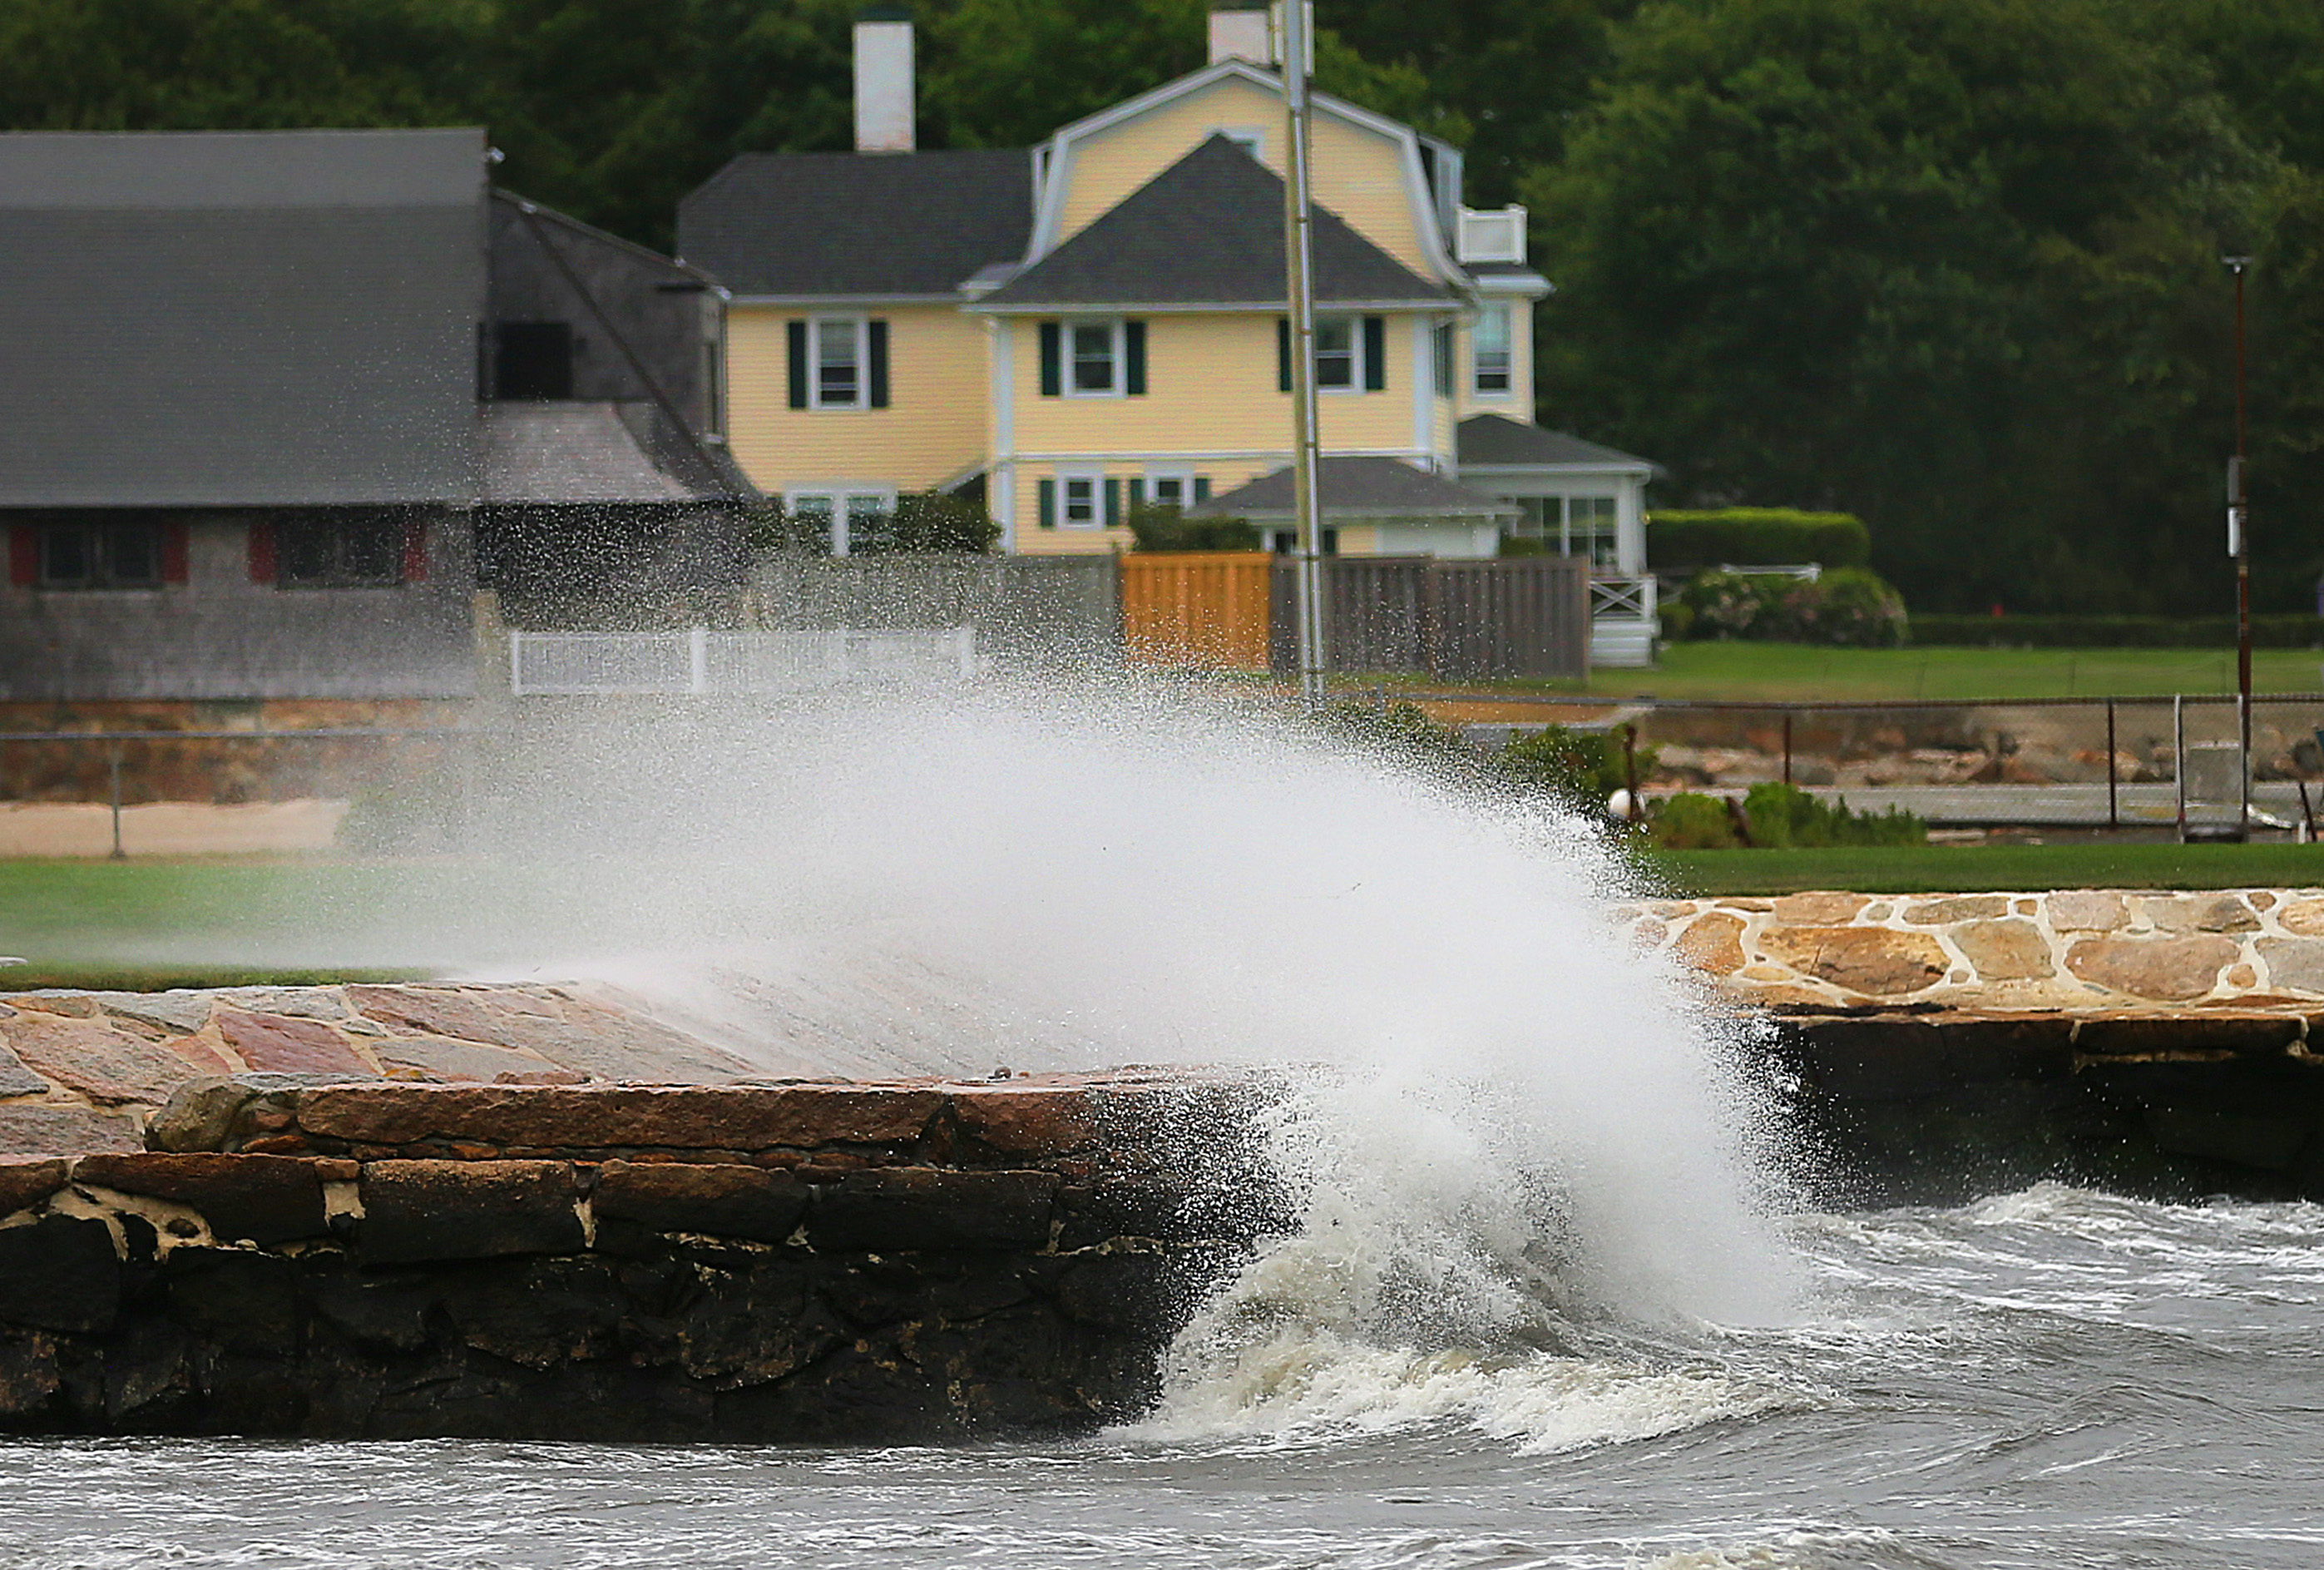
(1490, 344)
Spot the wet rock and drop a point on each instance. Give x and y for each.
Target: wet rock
(286, 1044)
(59, 1273)
(100, 1060)
(1871, 960)
(1965, 907)
(910, 1208)
(684, 1117)
(2129, 1034)
(466, 1210)
(25, 1184)
(440, 1058)
(219, 1112)
(264, 1199)
(63, 1130)
(571, 1033)
(724, 1201)
(1037, 1124)
(2005, 950)
(2168, 969)
(1713, 943)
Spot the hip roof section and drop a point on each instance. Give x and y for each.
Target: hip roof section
(240, 318)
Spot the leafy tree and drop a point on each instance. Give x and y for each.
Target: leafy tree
(1949, 263)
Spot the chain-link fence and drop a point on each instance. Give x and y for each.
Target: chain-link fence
(2121, 762)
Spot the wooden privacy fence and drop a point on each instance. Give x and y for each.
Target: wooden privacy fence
(1205, 608)
(1451, 620)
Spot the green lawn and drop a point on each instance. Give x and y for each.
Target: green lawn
(1799, 672)
(1981, 868)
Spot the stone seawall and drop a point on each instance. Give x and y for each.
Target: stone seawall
(832, 1263)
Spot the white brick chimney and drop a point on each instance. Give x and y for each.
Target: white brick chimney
(884, 108)
(1240, 31)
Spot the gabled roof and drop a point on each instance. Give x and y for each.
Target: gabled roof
(1208, 230)
(854, 225)
(564, 454)
(239, 317)
(1357, 486)
(1497, 441)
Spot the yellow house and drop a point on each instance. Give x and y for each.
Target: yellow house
(1068, 330)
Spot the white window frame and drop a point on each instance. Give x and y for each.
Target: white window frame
(860, 330)
(1356, 367)
(1183, 479)
(1117, 357)
(1066, 480)
(839, 507)
(1507, 371)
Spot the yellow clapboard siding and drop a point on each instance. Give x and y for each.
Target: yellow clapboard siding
(1358, 173)
(935, 424)
(1212, 387)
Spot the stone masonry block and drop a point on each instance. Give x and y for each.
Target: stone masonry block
(466, 1210)
(262, 1199)
(920, 1208)
(720, 1200)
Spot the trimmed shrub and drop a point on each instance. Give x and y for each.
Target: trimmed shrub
(1785, 815)
(1690, 821)
(1852, 606)
(1755, 537)
(2072, 631)
(1160, 527)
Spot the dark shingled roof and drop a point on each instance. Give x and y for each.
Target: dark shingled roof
(852, 225)
(1208, 230)
(1496, 438)
(239, 317)
(1358, 487)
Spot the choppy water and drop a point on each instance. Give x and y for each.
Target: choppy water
(2054, 1377)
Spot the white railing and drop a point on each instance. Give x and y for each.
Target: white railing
(1624, 619)
(696, 662)
(1491, 234)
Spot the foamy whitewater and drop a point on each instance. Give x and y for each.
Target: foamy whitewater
(1548, 1303)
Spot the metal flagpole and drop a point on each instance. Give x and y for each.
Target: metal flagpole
(1299, 267)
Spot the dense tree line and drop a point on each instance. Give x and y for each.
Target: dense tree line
(1952, 265)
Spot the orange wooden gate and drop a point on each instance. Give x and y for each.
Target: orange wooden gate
(1205, 608)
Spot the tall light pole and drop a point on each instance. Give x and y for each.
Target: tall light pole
(1299, 268)
(2239, 547)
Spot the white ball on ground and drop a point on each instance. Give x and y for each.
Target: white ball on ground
(1617, 807)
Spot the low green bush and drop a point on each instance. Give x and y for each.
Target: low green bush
(1691, 821)
(925, 522)
(1755, 537)
(1783, 817)
(1585, 767)
(1945, 628)
(1850, 606)
(1161, 526)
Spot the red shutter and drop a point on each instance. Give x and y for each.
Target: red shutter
(173, 551)
(415, 551)
(261, 551)
(23, 555)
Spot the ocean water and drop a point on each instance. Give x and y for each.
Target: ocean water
(2054, 1378)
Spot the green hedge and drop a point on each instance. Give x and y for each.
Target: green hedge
(2271, 632)
(1755, 537)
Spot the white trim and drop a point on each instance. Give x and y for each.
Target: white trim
(840, 494)
(1642, 471)
(860, 328)
(1154, 473)
(1070, 475)
(1424, 388)
(1515, 285)
(1209, 308)
(1124, 458)
(1117, 356)
(1357, 367)
(1507, 317)
(1000, 484)
(1001, 502)
(842, 304)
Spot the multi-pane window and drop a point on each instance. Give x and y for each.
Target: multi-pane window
(1094, 359)
(838, 362)
(851, 522)
(100, 554)
(1078, 505)
(1336, 362)
(1582, 526)
(355, 552)
(1169, 490)
(1491, 341)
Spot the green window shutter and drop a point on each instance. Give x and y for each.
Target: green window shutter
(1201, 487)
(798, 364)
(1113, 504)
(1137, 492)
(1052, 353)
(1048, 504)
(1375, 354)
(1133, 350)
(876, 375)
(1283, 353)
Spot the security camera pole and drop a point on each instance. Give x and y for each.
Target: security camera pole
(1298, 252)
(2239, 547)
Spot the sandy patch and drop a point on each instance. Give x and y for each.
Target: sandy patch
(168, 828)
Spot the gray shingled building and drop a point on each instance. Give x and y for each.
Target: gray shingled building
(264, 389)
